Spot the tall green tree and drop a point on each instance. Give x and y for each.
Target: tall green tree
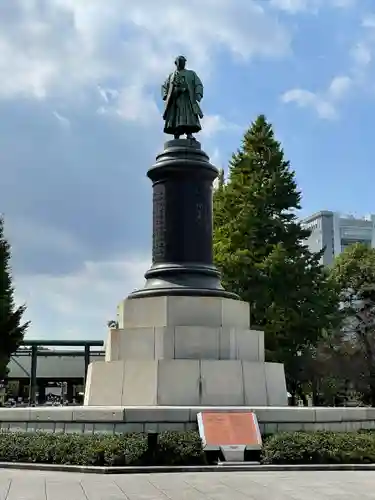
(259, 248)
(12, 329)
(354, 273)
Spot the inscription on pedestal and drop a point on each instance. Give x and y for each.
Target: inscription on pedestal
(203, 211)
(159, 224)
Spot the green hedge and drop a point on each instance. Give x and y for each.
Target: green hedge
(174, 448)
(181, 448)
(319, 448)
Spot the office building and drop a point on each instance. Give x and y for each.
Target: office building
(334, 232)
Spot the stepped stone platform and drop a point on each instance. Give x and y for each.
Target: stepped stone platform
(119, 419)
(185, 350)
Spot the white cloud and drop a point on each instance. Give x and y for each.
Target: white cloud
(73, 304)
(64, 45)
(344, 3)
(74, 59)
(78, 305)
(63, 120)
(296, 6)
(307, 99)
(361, 54)
(339, 87)
(131, 104)
(323, 103)
(369, 21)
(212, 124)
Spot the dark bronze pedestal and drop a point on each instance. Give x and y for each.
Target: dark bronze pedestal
(182, 257)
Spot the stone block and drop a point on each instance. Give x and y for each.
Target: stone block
(222, 383)
(191, 426)
(247, 345)
(112, 344)
(98, 414)
(104, 384)
(329, 414)
(171, 426)
(235, 314)
(14, 414)
(178, 382)
(368, 424)
(46, 414)
(46, 427)
(213, 312)
(255, 389)
(144, 312)
(140, 383)
(275, 384)
(137, 343)
(185, 342)
(355, 414)
(236, 343)
(164, 342)
(151, 427)
(128, 428)
(74, 428)
(270, 428)
(88, 428)
(104, 428)
(59, 428)
(289, 426)
(140, 343)
(157, 414)
(182, 382)
(196, 342)
(285, 414)
(352, 426)
(370, 413)
(17, 426)
(194, 311)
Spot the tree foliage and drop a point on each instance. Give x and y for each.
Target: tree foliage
(12, 329)
(259, 248)
(354, 273)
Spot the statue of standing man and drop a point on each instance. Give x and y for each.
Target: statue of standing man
(182, 91)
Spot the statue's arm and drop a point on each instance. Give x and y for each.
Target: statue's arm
(165, 89)
(198, 85)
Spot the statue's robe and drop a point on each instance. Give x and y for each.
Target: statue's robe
(182, 111)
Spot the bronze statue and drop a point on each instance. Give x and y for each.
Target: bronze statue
(182, 92)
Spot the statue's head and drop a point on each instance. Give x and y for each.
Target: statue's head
(180, 62)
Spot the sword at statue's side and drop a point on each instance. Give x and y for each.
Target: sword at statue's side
(168, 96)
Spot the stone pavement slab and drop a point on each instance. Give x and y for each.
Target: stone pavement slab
(305, 485)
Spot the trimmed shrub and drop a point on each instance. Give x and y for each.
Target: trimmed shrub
(320, 447)
(174, 448)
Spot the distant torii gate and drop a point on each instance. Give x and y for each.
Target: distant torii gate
(35, 344)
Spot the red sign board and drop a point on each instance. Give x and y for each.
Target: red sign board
(229, 429)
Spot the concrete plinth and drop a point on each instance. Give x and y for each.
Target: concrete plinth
(185, 351)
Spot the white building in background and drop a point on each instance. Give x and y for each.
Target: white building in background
(334, 232)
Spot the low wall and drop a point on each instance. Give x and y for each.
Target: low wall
(89, 419)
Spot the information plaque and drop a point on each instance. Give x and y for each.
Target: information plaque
(232, 432)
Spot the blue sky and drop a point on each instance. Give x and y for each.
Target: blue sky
(81, 124)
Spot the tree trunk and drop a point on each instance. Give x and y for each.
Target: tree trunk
(293, 394)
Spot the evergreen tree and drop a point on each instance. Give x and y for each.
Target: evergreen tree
(11, 328)
(259, 248)
(354, 273)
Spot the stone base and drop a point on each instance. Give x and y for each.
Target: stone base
(185, 382)
(185, 351)
(171, 311)
(119, 419)
(184, 342)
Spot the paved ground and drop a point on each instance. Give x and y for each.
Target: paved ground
(28, 485)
